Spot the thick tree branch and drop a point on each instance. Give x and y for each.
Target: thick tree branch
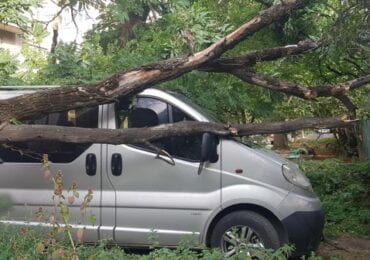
(356, 83)
(279, 24)
(275, 84)
(348, 104)
(250, 59)
(135, 80)
(21, 133)
(309, 93)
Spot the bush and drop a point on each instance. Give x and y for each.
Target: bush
(344, 189)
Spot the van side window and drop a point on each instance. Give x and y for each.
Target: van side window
(143, 112)
(58, 152)
(147, 112)
(188, 147)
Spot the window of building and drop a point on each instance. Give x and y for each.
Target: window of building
(7, 37)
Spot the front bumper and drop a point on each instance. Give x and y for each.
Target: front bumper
(304, 230)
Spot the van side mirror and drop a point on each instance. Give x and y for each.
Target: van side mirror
(209, 148)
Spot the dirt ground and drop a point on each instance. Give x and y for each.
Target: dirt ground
(345, 247)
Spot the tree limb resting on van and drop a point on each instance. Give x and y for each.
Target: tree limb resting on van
(22, 133)
(135, 80)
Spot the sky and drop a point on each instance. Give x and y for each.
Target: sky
(67, 31)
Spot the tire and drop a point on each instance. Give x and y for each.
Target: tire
(244, 228)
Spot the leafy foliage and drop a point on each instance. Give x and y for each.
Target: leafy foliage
(14, 11)
(8, 68)
(118, 12)
(82, 4)
(33, 60)
(37, 33)
(344, 191)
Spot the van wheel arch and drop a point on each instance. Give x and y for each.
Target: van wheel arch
(283, 237)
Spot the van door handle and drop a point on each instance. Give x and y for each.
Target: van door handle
(90, 164)
(116, 164)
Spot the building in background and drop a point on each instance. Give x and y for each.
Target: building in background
(11, 38)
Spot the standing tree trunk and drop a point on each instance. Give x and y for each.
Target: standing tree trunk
(348, 140)
(280, 141)
(54, 43)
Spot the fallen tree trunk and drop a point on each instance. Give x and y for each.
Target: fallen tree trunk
(22, 133)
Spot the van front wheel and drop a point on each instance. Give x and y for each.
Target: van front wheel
(243, 231)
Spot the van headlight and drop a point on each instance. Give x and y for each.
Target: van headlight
(294, 175)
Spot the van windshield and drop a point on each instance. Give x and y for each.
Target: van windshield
(201, 110)
(243, 140)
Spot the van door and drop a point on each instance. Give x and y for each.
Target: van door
(31, 193)
(155, 199)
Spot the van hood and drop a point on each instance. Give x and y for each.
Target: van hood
(271, 155)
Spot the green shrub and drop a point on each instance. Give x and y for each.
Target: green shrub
(344, 189)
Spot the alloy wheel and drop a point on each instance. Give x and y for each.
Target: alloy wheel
(238, 239)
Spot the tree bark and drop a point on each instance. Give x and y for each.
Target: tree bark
(54, 42)
(280, 141)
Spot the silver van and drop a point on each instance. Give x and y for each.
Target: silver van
(218, 190)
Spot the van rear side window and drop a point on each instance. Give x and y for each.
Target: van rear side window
(58, 152)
